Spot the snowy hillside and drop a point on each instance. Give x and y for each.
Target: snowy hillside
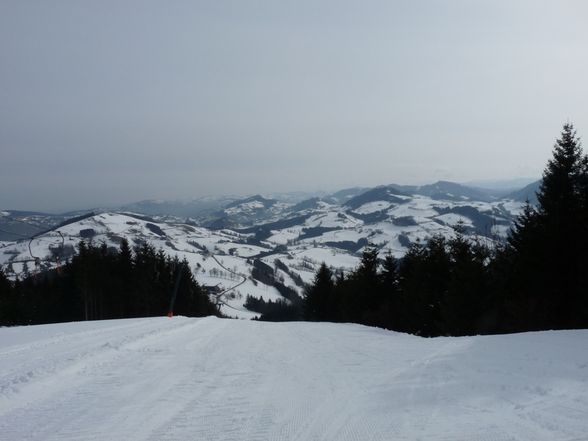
(219, 259)
(213, 379)
(250, 261)
(266, 247)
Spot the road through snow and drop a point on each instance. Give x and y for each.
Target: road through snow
(213, 379)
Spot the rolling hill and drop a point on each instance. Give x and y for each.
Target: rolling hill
(288, 239)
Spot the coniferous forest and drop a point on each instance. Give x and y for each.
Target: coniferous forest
(536, 279)
(101, 283)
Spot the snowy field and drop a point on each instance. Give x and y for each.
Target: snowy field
(213, 379)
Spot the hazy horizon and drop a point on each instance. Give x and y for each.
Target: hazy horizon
(496, 185)
(108, 103)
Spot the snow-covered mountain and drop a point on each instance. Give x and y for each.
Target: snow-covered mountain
(266, 247)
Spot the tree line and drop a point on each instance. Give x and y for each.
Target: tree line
(537, 279)
(105, 283)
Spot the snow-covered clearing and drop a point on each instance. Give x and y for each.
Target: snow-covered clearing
(213, 379)
(454, 219)
(372, 207)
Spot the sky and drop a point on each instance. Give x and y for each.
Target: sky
(107, 102)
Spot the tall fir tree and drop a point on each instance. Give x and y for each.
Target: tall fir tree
(318, 296)
(390, 307)
(368, 295)
(8, 305)
(465, 301)
(549, 245)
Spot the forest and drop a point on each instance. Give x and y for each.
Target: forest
(101, 283)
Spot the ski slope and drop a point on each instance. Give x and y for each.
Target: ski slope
(213, 379)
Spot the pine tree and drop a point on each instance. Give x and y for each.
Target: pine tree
(424, 279)
(366, 276)
(561, 199)
(317, 297)
(390, 307)
(549, 244)
(124, 268)
(560, 194)
(465, 301)
(7, 301)
(390, 273)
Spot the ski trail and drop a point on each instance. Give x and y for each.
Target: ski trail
(163, 379)
(111, 370)
(218, 296)
(63, 361)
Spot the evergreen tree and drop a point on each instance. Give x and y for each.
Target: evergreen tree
(519, 263)
(390, 273)
(424, 280)
(363, 305)
(562, 212)
(318, 296)
(124, 269)
(465, 301)
(8, 307)
(549, 245)
(389, 311)
(560, 194)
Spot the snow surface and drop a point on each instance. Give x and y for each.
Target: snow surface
(246, 206)
(454, 219)
(372, 207)
(213, 379)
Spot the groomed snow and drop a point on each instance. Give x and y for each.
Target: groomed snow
(212, 379)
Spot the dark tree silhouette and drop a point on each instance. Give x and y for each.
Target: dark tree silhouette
(103, 283)
(549, 245)
(318, 296)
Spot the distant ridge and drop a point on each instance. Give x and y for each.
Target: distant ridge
(446, 190)
(528, 193)
(386, 193)
(267, 203)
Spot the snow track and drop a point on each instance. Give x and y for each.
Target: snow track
(212, 379)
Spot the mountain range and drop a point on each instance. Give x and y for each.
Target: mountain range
(269, 245)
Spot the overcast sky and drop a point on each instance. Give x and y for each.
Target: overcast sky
(105, 102)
